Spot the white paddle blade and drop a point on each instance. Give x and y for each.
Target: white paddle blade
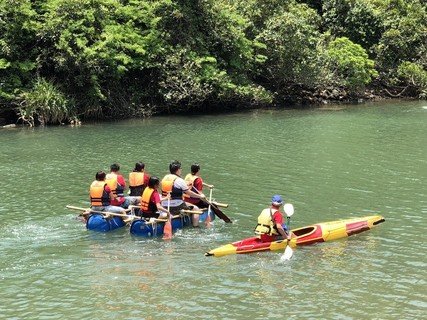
(287, 255)
(289, 209)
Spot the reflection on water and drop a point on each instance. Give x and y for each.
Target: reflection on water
(331, 164)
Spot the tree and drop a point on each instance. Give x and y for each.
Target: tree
(350, 63)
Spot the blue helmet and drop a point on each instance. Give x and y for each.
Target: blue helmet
(277, 200)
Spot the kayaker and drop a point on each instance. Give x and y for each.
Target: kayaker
(150, 201)
(101, 195)
(270, 222)
(196, 184)
(173, 183)
(138, 180)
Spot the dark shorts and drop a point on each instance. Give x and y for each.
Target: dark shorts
(182, 206)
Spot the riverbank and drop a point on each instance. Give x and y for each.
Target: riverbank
(298, 97)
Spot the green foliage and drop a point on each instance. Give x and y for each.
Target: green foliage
(44, 102)
(119, 58)
(291, 37)
(355, 19)
(415, 75)
(18, 50)
(351, 63)
(405, 37)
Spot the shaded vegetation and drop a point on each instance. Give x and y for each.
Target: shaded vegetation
(62, 59)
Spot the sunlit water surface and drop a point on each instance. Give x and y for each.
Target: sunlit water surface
(332, 163)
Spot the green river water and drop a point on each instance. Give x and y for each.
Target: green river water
(332, 163)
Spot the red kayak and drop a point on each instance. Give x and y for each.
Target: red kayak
(321, 232)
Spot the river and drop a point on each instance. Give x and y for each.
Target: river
(330, 163)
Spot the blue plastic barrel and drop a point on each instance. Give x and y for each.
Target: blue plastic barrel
(97, 222)
(116, 222)
(142, 229)
(204, 215)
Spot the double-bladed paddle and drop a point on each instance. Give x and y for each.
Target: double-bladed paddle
(289, 211)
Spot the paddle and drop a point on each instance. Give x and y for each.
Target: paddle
(215, 208)
(208, 217)
(289, 210)
(219, 204)
(167, 230)
(89, 211)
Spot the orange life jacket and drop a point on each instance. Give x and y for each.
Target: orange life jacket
(168, 187)
(148, 206)
(136, 183)
(98, 195)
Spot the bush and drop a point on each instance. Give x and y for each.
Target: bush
(45, 102)
(415, 75)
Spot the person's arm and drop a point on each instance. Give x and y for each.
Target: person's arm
(278, 220)
(160, 208)
(121, 180)
(156, 198)
(111, 194)
(183, 186)
(282, 231)
(193, 194)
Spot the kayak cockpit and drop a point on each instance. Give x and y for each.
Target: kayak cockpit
(303, 231)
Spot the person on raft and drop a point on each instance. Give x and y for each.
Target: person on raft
(195, 183)
(174, 185)
(117, 184)
(138, 180)
(150, 201)
(270, 225)
(101, 195)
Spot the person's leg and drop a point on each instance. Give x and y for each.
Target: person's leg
(126, 203)
(133, 200)
(115, 209)
(194, 217)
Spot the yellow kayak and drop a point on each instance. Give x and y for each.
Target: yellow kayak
(320, 232)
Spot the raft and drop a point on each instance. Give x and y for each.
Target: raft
(101, 223)
(148, 229)
(320, 232)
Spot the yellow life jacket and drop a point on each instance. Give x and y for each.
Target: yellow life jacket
(111, 180)
(136, 179)
(146, 205)
(98, 195)
(265, 223)
(116, 188)
(189, 178)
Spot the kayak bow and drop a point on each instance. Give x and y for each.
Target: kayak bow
(321, 232)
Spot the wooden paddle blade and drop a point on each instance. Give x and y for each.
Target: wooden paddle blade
(219, 213)
(167, 231)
